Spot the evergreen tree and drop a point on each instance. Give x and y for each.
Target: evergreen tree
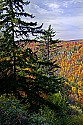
(13, 27)
(47, 82)
(47, 51)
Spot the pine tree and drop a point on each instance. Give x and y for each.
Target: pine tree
(47, 51)
(13, 28)
(47, 82)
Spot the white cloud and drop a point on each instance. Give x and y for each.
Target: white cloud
(76, 1)
(53, 5)
(39, 9)
(34, 8)
(67, 25)
(71, 2)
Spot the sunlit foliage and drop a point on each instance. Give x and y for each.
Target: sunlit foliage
(70, 58)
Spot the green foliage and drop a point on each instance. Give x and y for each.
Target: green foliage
(75, 110)
(61, 102)
(45, 116)
(48, 66)
(47, 51)
(75, 120)
(12, 111)
(14, 28)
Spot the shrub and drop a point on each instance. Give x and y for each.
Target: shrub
(45, 116)
(60, 102)
(75, 120)
(12, 111)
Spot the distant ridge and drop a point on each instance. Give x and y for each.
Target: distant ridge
(72, 40)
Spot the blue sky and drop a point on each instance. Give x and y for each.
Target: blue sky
(65, 16)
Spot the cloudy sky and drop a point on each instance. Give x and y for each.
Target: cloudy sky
(65, 16)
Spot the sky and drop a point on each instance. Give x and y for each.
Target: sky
(65, 17)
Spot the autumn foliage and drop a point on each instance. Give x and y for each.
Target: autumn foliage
(70, 59)
(69, 56)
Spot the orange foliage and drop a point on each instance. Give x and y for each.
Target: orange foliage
(70, 59)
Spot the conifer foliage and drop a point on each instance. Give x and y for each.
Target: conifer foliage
(13, 28)
(47, 51)
(20, 68)
(48, 67)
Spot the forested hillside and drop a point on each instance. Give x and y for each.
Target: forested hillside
(69, 56)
